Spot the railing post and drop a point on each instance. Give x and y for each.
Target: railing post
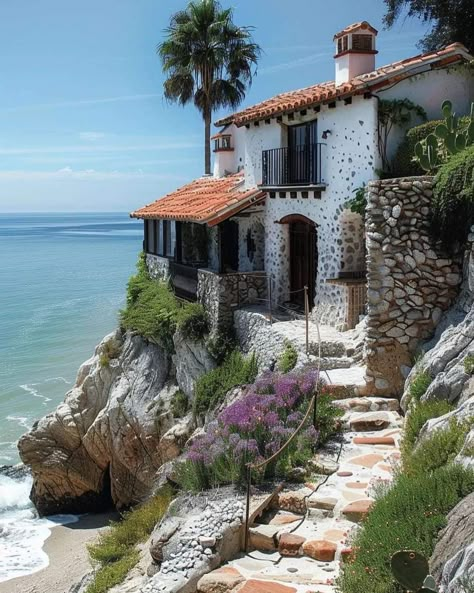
(306, 315)
(270, 299)
(247, 510)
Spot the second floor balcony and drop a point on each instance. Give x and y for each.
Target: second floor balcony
(295, 166)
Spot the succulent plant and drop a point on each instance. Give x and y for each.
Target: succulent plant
(447, 139)
(449, 133)
(426, 152)
(410, 570)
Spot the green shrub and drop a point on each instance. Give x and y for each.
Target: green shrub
(408, 515)
(288, 358)
(403, 163)
(418, 415)
(179, 404)
(192, 321)
(211, 388)
(438, 449)
(154, 312)
(110, 575)
(115, 549)
(453, 201)
(469, 364)
(358, 204)
(220, 345)
(110, 351)
(419, 385)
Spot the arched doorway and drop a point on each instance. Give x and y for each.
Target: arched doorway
(303, 257)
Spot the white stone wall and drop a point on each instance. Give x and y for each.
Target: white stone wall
(352, 242)
(213, 248)
(158, 267)
(350, 160)
(255, 225)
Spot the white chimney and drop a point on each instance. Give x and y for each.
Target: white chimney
(355, 51)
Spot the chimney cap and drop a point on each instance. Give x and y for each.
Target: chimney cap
(363, 25)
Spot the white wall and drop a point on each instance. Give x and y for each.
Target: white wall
(230, 161)
(350, 160)
(430, 90)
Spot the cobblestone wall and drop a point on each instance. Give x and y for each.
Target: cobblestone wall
(158, 267)
(221, 294)
(410, 280)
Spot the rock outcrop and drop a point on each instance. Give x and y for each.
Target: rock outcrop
(452, 563)
(104, 444)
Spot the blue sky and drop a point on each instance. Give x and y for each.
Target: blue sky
(83, 122)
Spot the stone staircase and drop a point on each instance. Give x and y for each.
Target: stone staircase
(299, 540)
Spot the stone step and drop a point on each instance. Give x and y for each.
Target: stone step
(371, 421)
(368, 404)
(344, 383)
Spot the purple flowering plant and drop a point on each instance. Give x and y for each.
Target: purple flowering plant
(252, 429)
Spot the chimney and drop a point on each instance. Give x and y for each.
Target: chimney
(355, 51)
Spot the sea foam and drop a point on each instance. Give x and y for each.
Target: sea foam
(22, 532)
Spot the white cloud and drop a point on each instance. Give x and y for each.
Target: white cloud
(165, 145)
(70, 173)
(91, 136)
(83, 102)
(307, 60)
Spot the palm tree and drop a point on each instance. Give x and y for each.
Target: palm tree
(208, 60)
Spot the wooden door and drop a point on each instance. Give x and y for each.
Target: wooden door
(303, 262)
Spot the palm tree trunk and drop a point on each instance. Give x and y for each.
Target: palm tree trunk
(207, 141)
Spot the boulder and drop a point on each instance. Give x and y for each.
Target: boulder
(192, 360)
(453, 557)
(101, 446)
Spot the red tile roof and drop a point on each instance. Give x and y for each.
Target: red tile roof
(205, 200)
(328, 91)
(351, 28)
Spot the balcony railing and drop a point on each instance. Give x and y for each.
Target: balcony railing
(300, 165)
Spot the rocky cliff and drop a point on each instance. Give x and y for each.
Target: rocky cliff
(449, 361)
(105, 443)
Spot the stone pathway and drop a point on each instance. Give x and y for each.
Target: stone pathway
(299, 543)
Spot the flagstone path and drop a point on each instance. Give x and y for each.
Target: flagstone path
(299, 543)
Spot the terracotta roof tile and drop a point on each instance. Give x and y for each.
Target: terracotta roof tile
(328, 91)
(362, 25)
(205, 200)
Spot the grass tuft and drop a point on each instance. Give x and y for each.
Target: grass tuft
(288, 358)
(115, 551)
(419, 385)
(418, 415)
(408, 516)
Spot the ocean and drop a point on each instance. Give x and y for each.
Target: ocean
(62, 282)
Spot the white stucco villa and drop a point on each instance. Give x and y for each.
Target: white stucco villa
(272, 219)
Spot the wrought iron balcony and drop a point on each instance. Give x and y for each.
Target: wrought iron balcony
(300, 165)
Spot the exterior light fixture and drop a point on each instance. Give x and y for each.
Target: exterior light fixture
(325, 134)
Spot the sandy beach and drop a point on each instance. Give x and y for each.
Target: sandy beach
(68, 558)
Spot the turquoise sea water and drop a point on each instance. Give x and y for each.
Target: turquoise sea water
(62, 282)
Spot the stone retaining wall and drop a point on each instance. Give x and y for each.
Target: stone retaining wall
(221, 294)
(410, 280)
(158, 267)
